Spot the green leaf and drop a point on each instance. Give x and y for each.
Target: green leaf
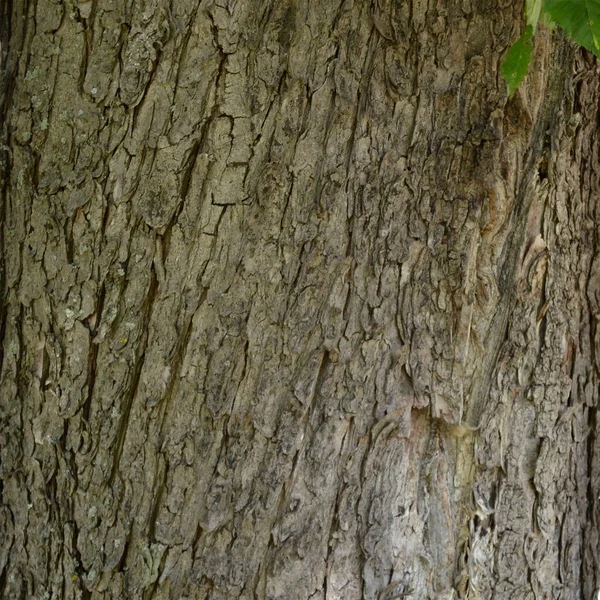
(517, 59)
(533, 8)
(579, 18)
(546, 21)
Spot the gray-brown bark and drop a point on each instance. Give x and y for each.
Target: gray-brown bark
(296, 303)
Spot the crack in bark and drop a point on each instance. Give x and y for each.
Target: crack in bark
(134, 385)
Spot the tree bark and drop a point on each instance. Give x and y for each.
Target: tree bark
(297, 303)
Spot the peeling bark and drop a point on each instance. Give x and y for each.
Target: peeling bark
(297, 303)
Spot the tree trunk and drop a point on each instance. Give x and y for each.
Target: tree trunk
(297, 303)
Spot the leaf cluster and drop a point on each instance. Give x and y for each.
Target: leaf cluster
(580, 19)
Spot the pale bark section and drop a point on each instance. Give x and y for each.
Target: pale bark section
(296, 304)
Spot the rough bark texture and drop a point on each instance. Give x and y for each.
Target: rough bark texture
(296, 303)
